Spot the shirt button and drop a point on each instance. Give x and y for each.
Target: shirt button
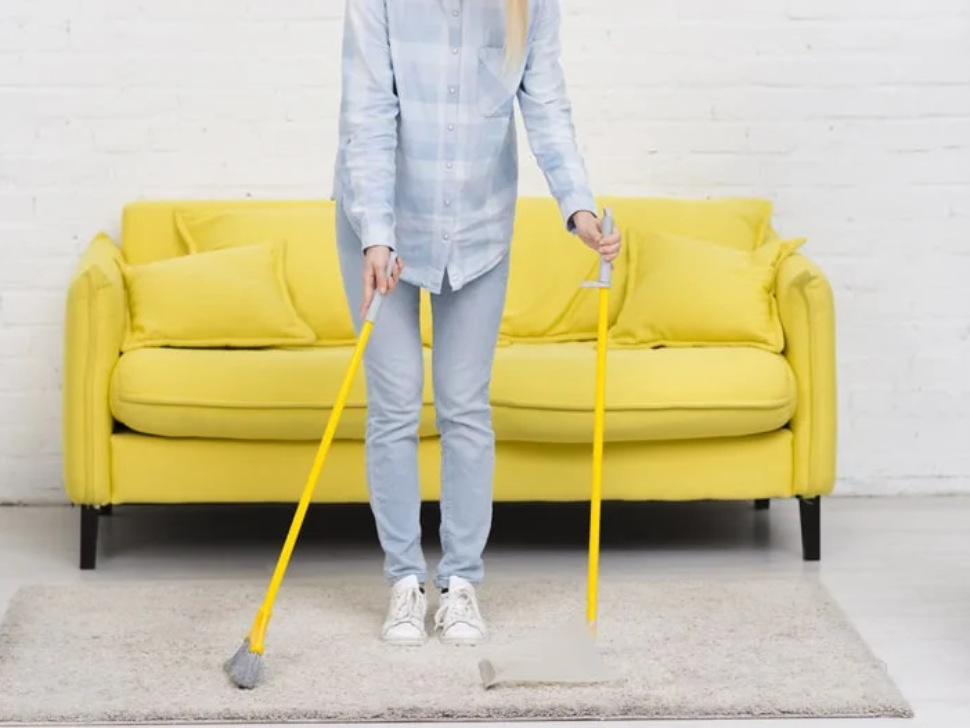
(451, 90)
(446, 236)
(454, 13)
(451, 127)
(449, 165)
(447, 203)
(454, 51)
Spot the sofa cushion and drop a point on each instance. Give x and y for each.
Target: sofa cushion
(272, 394)
(540, 393)
(229, 298)
(543, 393)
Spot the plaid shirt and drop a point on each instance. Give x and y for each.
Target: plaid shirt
(428, 157)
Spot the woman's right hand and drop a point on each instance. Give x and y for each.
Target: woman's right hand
(376, 279)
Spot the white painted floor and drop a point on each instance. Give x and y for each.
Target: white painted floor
(899, 567)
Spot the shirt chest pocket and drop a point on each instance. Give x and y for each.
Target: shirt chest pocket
(496, 85)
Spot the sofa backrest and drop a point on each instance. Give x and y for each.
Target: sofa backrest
(149, 229)
(545, 301)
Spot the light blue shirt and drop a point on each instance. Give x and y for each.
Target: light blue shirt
(428, 158)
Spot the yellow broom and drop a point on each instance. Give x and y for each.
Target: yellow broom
(568, 655)
(245, 666)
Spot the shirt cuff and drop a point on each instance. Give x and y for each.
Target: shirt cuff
(574, 203)
(375, 233)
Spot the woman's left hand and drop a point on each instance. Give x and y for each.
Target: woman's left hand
(590, 230)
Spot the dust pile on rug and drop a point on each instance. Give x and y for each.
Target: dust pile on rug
(122, 652)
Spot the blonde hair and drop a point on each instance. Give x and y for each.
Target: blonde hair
(516, 29)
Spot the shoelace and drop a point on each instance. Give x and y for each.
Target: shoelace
(405, 605)
(460, 606)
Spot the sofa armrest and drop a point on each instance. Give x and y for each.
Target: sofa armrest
(807, 313)
(94, 327)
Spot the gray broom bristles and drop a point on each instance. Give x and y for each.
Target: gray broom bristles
(245, 667)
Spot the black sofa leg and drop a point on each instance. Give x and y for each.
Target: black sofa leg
(106, 510)
(762, 504)
(810, 511)
(89, 537)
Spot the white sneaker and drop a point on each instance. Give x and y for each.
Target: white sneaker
(405, 623)
(458, 618)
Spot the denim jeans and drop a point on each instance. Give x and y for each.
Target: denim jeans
(466, 325)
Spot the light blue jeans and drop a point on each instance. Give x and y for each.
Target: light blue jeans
(466, 325)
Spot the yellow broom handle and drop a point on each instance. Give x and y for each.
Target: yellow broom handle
(328, 435)
(599, 416)
(318, 462)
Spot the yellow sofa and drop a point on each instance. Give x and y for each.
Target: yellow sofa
(147, 420)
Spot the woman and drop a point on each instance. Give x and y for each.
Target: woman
(427, 167)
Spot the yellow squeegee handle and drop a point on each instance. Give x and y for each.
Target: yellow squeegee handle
(258, 633)
(599, 415)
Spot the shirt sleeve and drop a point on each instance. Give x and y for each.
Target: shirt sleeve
(369, 111)
(547, 116)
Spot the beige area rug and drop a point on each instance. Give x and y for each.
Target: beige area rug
(123, 652)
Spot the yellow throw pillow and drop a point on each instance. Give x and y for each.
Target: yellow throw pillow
(546, 301)
(312, 264)
(689, 292)
(235, 297)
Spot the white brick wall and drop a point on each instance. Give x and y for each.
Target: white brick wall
(854, 115)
